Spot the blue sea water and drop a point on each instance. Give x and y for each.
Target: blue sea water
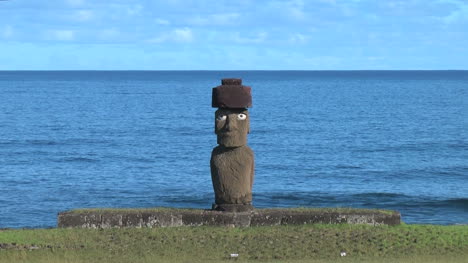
(370, 139)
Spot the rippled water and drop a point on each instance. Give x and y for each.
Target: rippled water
(372, 139)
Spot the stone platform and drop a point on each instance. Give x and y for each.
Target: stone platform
(173, 217)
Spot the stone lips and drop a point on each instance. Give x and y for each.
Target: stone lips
(231, 94)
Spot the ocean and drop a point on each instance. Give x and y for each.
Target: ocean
(365, 139)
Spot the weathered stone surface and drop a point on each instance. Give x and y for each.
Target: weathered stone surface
(231, 82)
(216, 218)
(262, 218)
(233, 207)
(161, 219)
(81, 220)
(384, 220)
(132, 220)
(232, 127)
(195, 218)
(231, 94)
(299, 218)
(232, 162)
(232, 174)
(107, 218)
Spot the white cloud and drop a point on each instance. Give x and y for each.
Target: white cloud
(159, 39)
(372, 17)
(460, 14)
(292, 9)
(109, 34)
(162, 22)
(298, 39)
(258, 38)
(221, 19)
(375, 58)
(7, 31)
(295, 9)
(134, 10)
(181, 35)
(331, 2)
(61, 35)
(84, 15)
(75, 2)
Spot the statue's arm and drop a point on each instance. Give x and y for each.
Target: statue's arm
(252, 168)
(252, 174)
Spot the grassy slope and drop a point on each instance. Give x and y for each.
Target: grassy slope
(308, 243)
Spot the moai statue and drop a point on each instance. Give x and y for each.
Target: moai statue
(232, 161)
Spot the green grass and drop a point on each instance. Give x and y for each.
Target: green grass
(306, 243)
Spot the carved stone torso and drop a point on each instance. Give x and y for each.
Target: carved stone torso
(232, 172)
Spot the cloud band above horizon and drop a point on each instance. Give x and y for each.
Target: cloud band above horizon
(233, 35)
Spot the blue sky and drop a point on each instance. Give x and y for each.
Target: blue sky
(233, 35)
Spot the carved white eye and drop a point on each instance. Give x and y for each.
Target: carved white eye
(241, 116)
(221, 117)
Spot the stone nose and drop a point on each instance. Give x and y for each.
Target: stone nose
(231, 123)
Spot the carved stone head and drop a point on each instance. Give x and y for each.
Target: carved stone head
(232, 118)
(232, 127)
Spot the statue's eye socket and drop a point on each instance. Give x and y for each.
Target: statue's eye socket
(241, 116)
(221, 117)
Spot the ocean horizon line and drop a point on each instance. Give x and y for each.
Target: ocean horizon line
(230, 70)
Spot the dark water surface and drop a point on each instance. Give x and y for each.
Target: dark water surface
(371, 139)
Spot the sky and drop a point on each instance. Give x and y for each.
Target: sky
(233, 34)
